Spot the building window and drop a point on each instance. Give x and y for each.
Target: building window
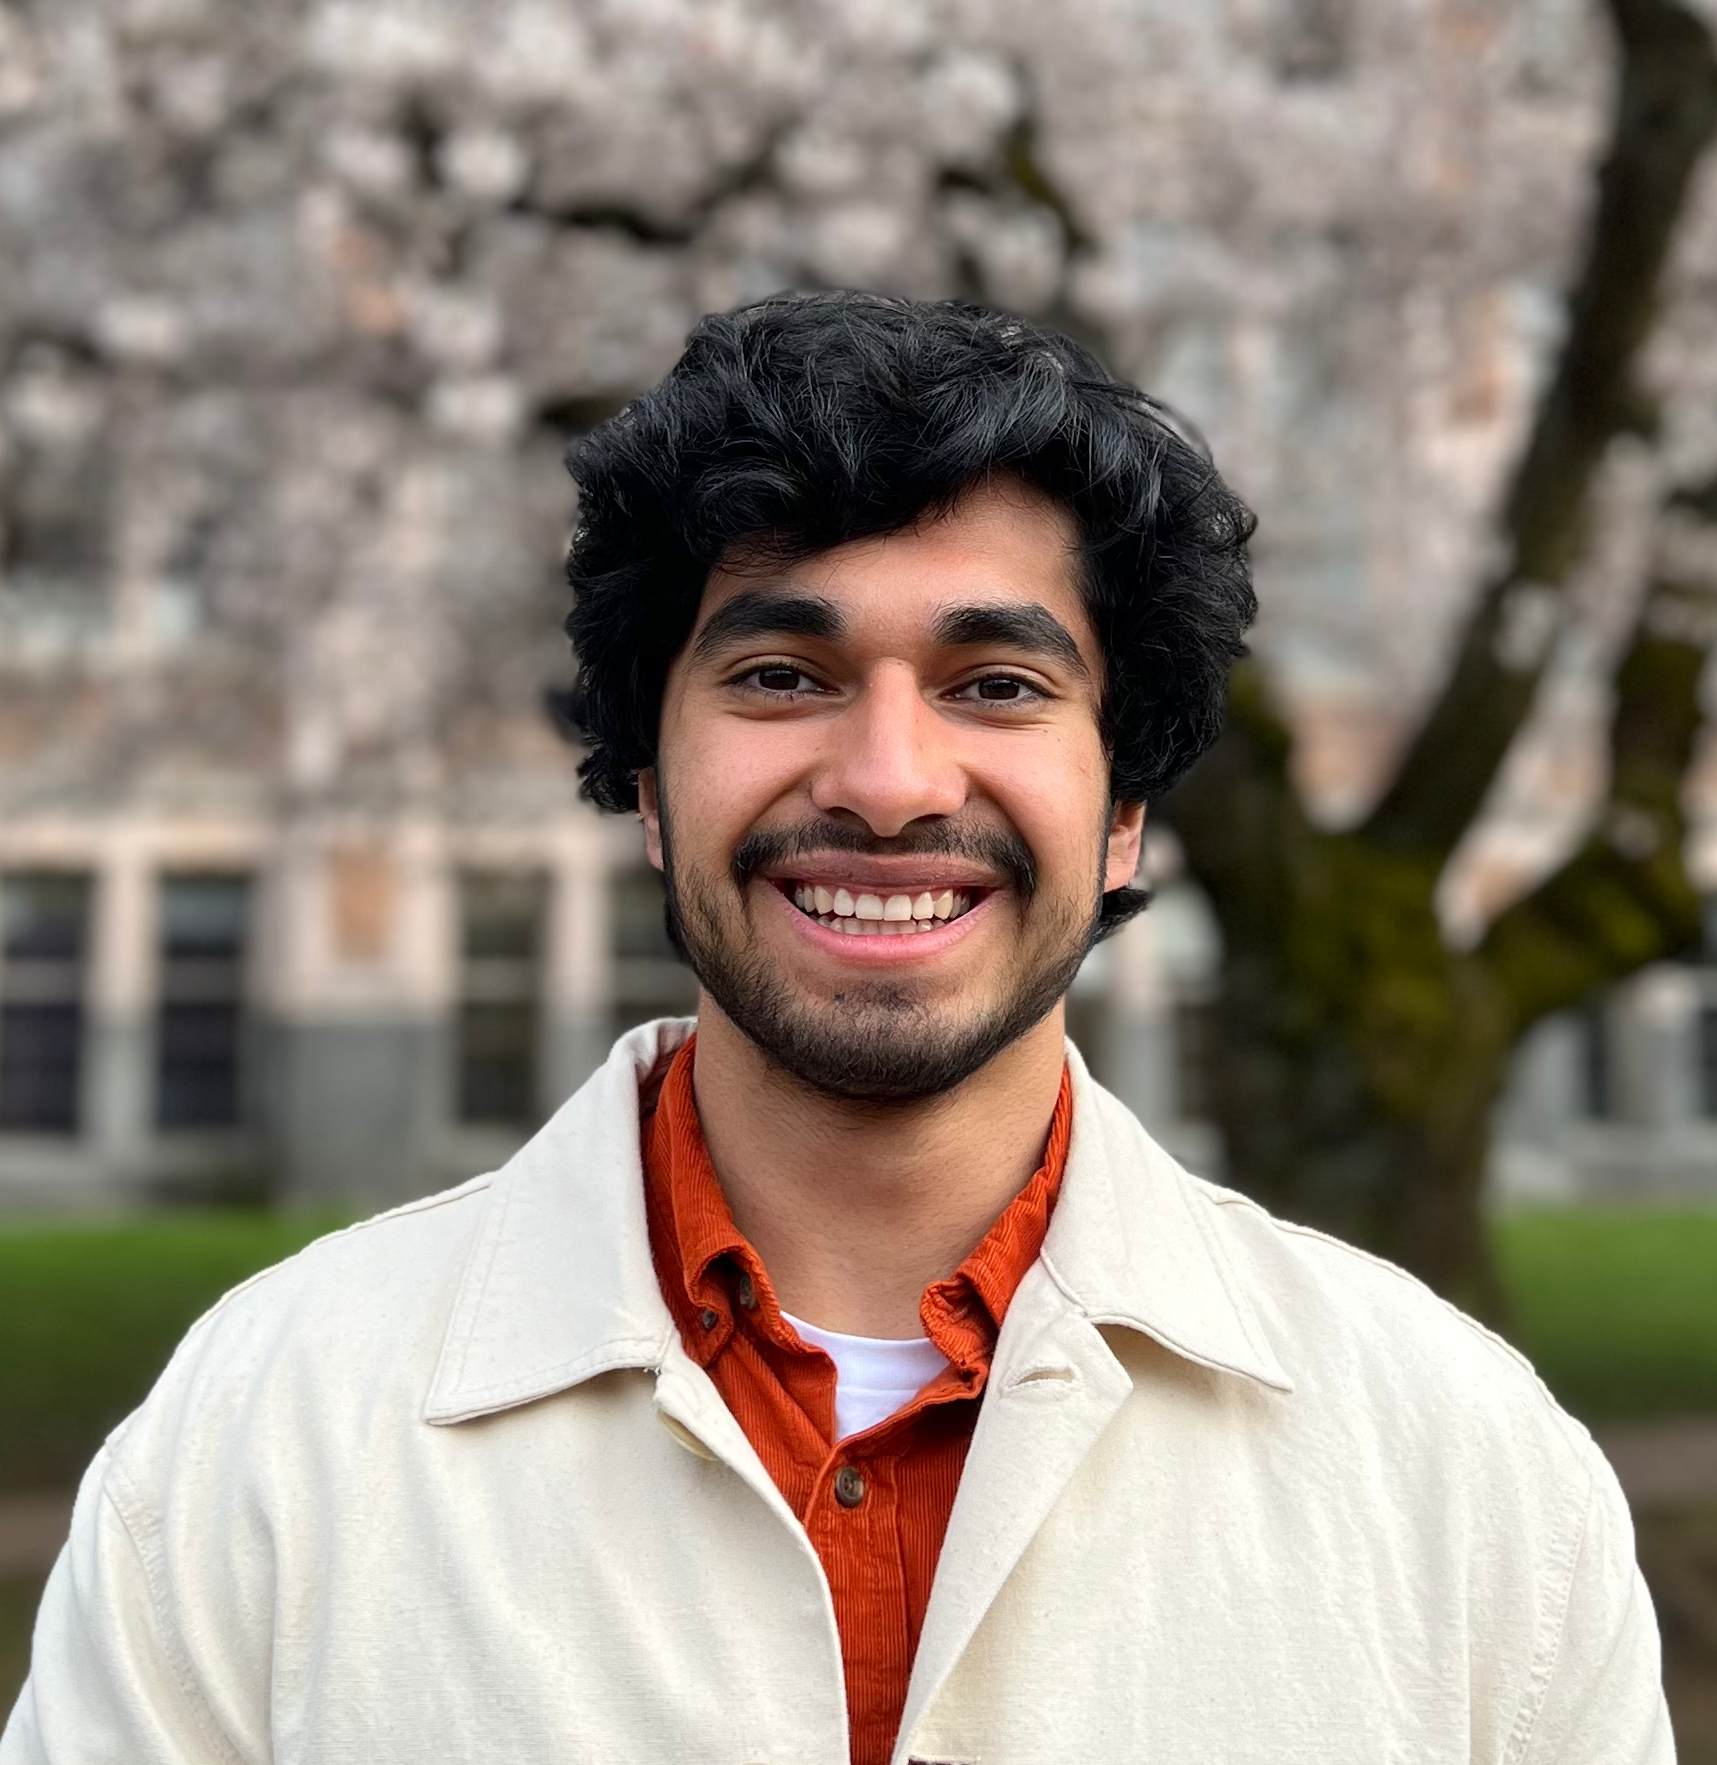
(200, 1027)
(650, 980)
(1707, 1052)
(500, 1005)
(1596, 1077)
(44, 939)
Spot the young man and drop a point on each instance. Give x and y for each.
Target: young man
(855, 1380)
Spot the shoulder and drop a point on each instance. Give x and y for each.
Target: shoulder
(328, 1351)
(1361, 1335)
(1343, 1327)
(1405, 1450)
(1377, 1362)
(360, 1279)
(356, 1316)
(1438, 1438)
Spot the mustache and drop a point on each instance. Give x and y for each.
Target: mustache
(992, 848)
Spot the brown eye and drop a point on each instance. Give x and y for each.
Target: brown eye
(999, 689)
(779, 680)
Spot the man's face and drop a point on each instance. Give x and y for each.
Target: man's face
(881, 802)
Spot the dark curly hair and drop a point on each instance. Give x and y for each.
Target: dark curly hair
(805, 421)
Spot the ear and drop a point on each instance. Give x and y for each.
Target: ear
(1121, 855)
(650, 813)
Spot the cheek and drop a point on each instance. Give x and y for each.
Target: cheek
(1055, 792)
(723, 776)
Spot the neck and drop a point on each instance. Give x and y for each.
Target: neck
(855, 1208)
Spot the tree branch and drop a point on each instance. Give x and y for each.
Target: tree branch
(1666, 110)
(1625, 898)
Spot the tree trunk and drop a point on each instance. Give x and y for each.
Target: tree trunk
(1355, 1077)
(1357, 1057)
(1360, 1058)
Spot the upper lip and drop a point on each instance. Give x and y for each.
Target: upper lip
(884, 874)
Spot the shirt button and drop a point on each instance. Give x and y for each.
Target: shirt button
(747, 1293)
(710, 1318)
(849, 1486)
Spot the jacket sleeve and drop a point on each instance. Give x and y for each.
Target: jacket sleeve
(109, 1683)
(1599, 1689)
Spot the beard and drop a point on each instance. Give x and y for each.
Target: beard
(876, 1041)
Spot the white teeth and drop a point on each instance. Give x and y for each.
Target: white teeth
(873, 915)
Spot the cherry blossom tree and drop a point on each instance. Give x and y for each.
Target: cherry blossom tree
(299, 304)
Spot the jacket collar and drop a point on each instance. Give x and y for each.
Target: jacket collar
(559, 1285)
(1135, 1241)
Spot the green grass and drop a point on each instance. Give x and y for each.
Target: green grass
(1618, 1311)
(1617, 1308)
(90, 1313)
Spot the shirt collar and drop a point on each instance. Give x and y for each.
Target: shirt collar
(700, 1254)
(559, 1284)
(698, 1251)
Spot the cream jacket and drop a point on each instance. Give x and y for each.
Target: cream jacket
(445, 1487)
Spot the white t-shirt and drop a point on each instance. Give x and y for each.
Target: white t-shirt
(874, 1376)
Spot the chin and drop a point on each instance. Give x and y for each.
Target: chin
(881, 1047)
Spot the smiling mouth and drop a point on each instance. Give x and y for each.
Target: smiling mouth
(880, 916)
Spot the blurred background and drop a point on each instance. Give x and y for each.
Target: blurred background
(300, 914)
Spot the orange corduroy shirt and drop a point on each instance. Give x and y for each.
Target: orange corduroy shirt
(877, 1504)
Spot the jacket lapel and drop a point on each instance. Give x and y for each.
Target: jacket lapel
(1129, 1247)
(693, 1412)
(1054, 1386)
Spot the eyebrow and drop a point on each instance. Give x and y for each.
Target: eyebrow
(760, 613)
(1027, 627)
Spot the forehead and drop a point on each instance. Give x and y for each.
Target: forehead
(1001, 542)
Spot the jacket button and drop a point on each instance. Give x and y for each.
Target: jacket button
(710, 1318)
(684, 1435)
(747, 1293)
(849, 1486)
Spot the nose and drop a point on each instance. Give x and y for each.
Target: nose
(890, 758)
